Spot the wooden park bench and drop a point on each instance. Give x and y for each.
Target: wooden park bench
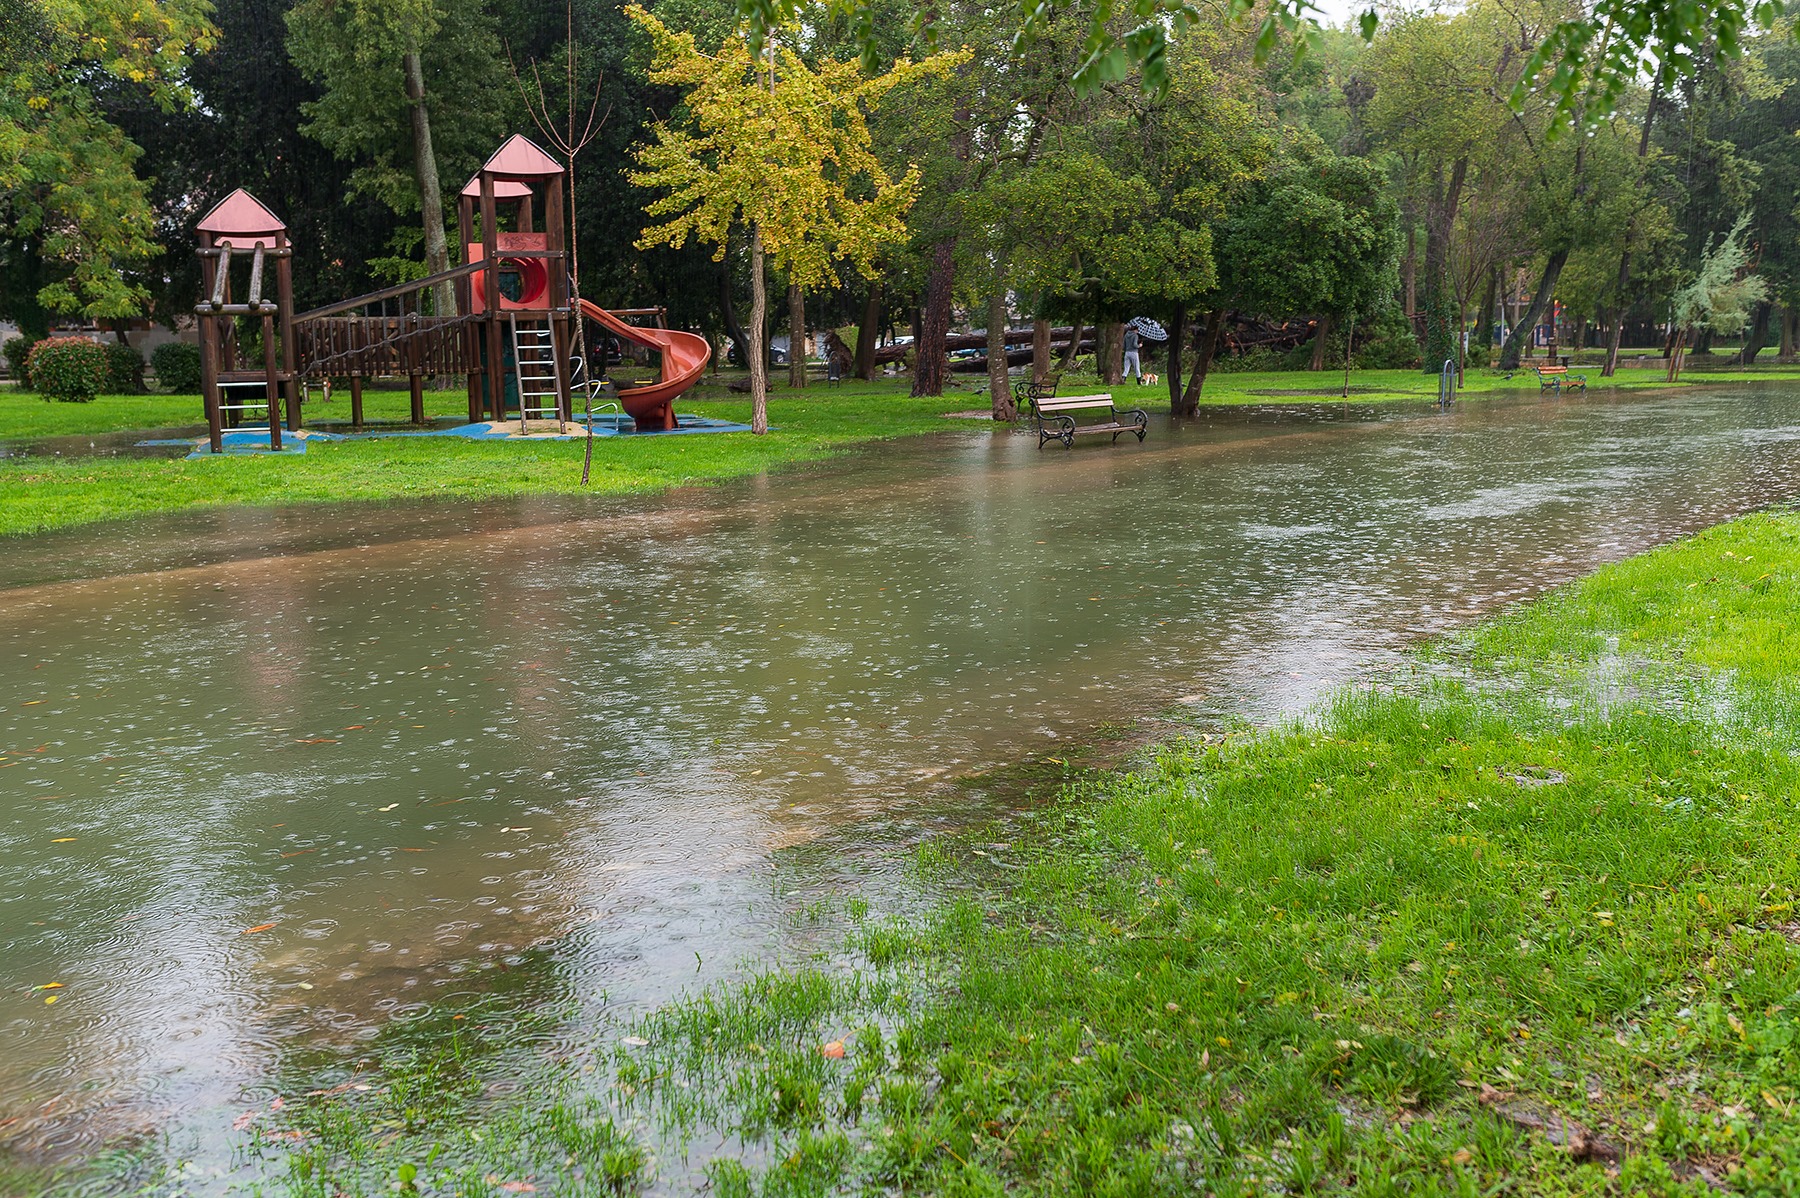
(1555, 378)
(1056, 418)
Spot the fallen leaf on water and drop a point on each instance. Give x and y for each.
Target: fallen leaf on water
(407, 850)
(49, 986)
(389, 807)
(353, 727)
(635, 1041)
(62, 840)
(306, 985)
(50, 999)
(244, 1120)
(834, 1051)
(299, 852)
(261, 927)
(34, 703)
(317, 740)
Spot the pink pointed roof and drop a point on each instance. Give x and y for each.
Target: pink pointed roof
(504, 189)
(241, 218)
(520, 158)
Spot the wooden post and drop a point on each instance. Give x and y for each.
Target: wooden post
(284, 297)
(356, 420)
(209, 367)
(490, 282)
(271, 381)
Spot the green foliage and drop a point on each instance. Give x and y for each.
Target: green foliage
(1722, 291)
(18, 352)
(790, 155)
(70, 369)
(177, 366)
(1385, 340)
(124, 369)
(76, 215)
(1586, 63)
(1317, 235)
(354, 50)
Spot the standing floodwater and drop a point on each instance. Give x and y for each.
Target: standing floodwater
(273, 780)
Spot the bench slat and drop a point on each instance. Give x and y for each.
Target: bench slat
(1074, 402)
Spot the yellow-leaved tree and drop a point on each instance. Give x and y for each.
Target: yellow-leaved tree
(782, 147)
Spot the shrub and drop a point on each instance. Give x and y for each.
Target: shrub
(1259, 359)
(70, 369)
(1385, 341)
(124, 369)
(177, 366)
(17, 350)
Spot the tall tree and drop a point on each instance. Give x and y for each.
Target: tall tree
(780, 147)
(412, 92)
(75, 217)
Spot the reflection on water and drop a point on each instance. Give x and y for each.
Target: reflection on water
(274, 780)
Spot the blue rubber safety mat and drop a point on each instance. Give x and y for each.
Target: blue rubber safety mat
(253, 439)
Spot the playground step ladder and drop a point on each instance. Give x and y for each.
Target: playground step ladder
(539, 372)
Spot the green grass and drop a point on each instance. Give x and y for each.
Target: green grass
(1547, 879)
(38, 493)
(41, 493)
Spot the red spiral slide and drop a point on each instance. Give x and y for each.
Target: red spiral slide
(684, 357)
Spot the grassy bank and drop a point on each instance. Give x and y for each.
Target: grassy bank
(1523, 921)
(38, 493)
(44, 492)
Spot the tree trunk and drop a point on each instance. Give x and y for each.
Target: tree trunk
(796, 337)
(999, 383)
(1177, 334)
(1071, 349)
(1758, 335)
(1540, 299)
(1409, 268)
(431, 200)
(1484, 316)
(759, 363)
(1618, 329)
(1209, 345)
(1040, 351)
(728, 310)
(868, 332)
(1115, 354)
(1677, 354)
(1441, 206)
(928, 350)
(1319, 336)
(1790, 332)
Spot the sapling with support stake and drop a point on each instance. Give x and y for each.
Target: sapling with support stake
(570, 143)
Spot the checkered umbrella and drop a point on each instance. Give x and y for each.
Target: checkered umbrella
(1149, 330)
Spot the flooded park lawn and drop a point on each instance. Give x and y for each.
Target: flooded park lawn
(277, 779)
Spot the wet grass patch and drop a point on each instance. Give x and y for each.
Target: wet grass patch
(46, 491)
(1440, 939)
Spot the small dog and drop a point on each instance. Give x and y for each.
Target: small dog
(1147, 380)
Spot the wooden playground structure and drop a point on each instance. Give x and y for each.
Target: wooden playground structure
(511, 331)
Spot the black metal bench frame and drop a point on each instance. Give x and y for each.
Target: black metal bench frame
(1056, 421)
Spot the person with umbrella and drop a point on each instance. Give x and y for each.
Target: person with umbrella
(1147, 329)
